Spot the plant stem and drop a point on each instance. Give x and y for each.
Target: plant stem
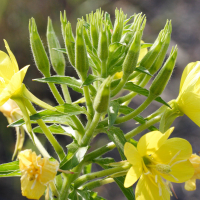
(90, 131)
(86, 177)
(88, 100)
(97, 183)
(110, 146)
(66, 93)
(119, 86)
(56, 93)
(59, 150)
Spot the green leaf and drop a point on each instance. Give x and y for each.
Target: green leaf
(143, 70)
(145, 45)
(90, 79)
(112, 112)
(135, 88)
(10, 169)
(70, 81)
(128, 192)
(62, 50)
(103, 161)
(54, 128)
(55, 116)
(68, 164)
(116, 135)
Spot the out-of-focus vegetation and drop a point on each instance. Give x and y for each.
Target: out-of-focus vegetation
(14, 19)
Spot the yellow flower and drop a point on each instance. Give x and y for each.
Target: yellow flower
(36, 172)
(143, 52)
(157, 157)
(189, 94)
(190, 185)
(10, 77)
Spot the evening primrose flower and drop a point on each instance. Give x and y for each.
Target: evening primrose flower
(157, 157)
(189, 94)
(11, 77)
(36, 172)
(190, 185)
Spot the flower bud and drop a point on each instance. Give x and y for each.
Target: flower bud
(131, 58)
(57, 58)
(161, 80)
(159, 60)
(81, 59)
(118, 26)
(102, 98)
(39, 53)
(70, 43)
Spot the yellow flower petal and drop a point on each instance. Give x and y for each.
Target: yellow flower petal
(12, 57)
(152, 141)
(180, 173)
(147, 189)
(132, 176)
(49, 171)
(30, 188)
(190, 185)
(6, 69)
(13, 86)
(173, 150)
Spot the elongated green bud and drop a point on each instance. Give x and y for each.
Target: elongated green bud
(161, 80)
(87, 39)
(94, 30)
(81, 61)
(103, 49)
(118, 26)
(131, 59)
(70, 43)
(102, 99)
(63, 20)
(160, 58)
(39, 53)
(155, 49)
(57, 58)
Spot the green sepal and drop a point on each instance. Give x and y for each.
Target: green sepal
(39, 53)
(57, 58)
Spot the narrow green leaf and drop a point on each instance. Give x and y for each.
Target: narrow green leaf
(143, 70)
(9, 167)
(62, 50)
(70, 81)
(135, 88)
(11, 174)
(54, 128)
(90, 79)
(112, 112)
(116, 135)
(74, 160)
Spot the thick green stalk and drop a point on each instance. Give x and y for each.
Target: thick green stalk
(86, 177)
(90, 131)
(66, 93)
(97, 183)
(110, 146)
(55, 93)
(59, 150)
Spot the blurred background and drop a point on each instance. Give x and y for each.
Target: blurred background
(14, 19)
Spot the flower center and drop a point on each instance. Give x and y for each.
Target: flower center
(165, 169)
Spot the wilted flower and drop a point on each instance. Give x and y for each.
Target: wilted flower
(189, 94)
(190, 185)
(36, 173)
(157, 157)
